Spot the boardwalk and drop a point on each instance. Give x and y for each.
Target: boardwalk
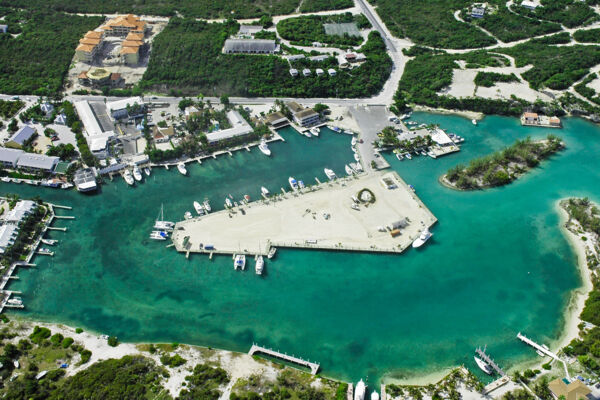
(489, 360)
(314, 367)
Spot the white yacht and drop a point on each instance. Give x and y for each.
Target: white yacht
(315, 131)
(161, 224)
(188, 215)
(330, 174)
(49, 242)
(356, 157)
(420, 241)
(260, 265)
(264, 148)
(293, 183)
(128, 178)
(375, 396)
(474, 121)
(147, 171)
(159, 235)
(239, 262)
(198, 207)
(228, 202)
(360, 390)
(307, 134)
(264, 191)
(272, 252)
(16, 301)
(137, 174)
(348, 170)
(181, 168)
(207, 206)
(485, 367)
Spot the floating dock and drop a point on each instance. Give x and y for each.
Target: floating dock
(314, 367)
(317, 217)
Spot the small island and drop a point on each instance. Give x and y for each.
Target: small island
(502, 167)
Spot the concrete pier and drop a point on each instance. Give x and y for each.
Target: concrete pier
(314, 367)
(54, 228)
(318, 217)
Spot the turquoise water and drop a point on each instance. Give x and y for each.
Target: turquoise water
(497, 263)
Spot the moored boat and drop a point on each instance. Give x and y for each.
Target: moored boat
(360, 390)
(348, 170)
(239, 262)
(49, 242)
(198, 207)
(137, 174)
(424, 237)
(128, 177)
(293, 183)
(260, 265)
(307, 134)
(408, 156)
(264, 191)
(375, 396)
(181, 168)
(315, 131)
(272, 252)
(147, 171)
(330, 174)
(474, 121)
(228, 202)
(159, 235)
(207, 206)
(301, 185)
(399, 156)
(356, 157)
(162, 225)
(264, 148)
(188, 215)
(485, 367)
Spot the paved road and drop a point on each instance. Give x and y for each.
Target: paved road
(371, 120)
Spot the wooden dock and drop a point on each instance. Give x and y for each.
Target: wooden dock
(489, 360)
(314, 367)
(54, 228)
(536, 346)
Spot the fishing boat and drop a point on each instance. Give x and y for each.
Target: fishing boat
(330, 174)
(301, 185)
(228, 202)
(264, 191)
(474, 121)
(264, 148)
(128, 178)
(159, 235)
(293, 183)
(137, 174)
(147, 171)
(207, 206)
(188, 215)
(239, 262)
(272, 252)
(181, 168)
(360, 390)
(399, 156)
(198, 207)
(49, 242)
(161, 224)
(315, 131)
(348, 170)
(260, 265)
(424, 237)
(356, 157)
(485, 367)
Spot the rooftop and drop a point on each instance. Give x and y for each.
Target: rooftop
(23, 134)
(37, 161)
(9, 155)
(250, 46)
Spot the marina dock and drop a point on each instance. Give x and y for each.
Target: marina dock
(317, 217)
(314, 367)
(489, 360)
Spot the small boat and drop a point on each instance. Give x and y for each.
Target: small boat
(349, 132)
(128, 178)
(246, 198)
(315, 131)
(264, 148)
(423, 153)
(293, 183)
(159, 235)
(424, 237)
(228, 202)
(207, 206)
(360, 390)
(239, 262)
(230, 196)
(301, 185)
(198, 207)
(16, 301)
(147, 171)
(272, 252)
(374, 396)
(181, 168)
(260, 265)
(408, 156)
(474, 121)
(399, 156)
(264, 191)
(330, 174)
(485, 367)
(348, 170)
(49, 242)
(137, 174)
(356, 157)
(357, 167)
(235, 203)
(188, 215)
(307, 134)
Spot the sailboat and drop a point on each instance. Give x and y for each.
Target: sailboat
(485, 367)
(161, 224)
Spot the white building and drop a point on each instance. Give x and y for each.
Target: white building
(293, 72)
(96, 138)
(9, 157)
(118, 109)
(331, 72)
(319, 72)
(22, 209)
(37, 162)
(532, 5)
(8, 235)
(239, 127)
(306, 72)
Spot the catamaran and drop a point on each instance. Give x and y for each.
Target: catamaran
(137, 174)
(348, 170)
(159, 235)
(128, 178)
(293, 183)
(485, 367)
(260, 265)
(420, 241)
(207, 206)
(198, 207)
(264, 191)
(330, 174)
(264, 148)
(161, 224)
(181, 168)
(315, 131)
(360, 390)
(239, 262)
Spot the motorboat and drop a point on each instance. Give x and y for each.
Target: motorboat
(137, 174)
(260, 265)
(307, 134)
(235, 203)
(246, 198)
(228, 202)
(431, 154)
(264, 191)
(147, 171)
(198, 207)
(399, 156)
(485, 367)
(272, 252)
(315, 131)
(408, 156)
(188, 215)
(161, 224)
(293, 183)
(159, 235)
(128, 177)
(207, 206)
(354, 141)
(423, 153)
(474, 121)
(360, 390)
(349, 132)
(348, 170)
(356, 157)
(330, 174)
(264, 148)
(424, 237)
(239, 262)
(181, 168)
(16, 301)
(357, 167)
(301, 184)
(374, 396)
(49, 242)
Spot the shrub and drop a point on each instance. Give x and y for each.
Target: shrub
(78, 330)
(67, 342)
(39, 334)
(113, 341)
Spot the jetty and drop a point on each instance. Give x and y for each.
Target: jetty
(314, 367)
(489, 360)
(543, 350)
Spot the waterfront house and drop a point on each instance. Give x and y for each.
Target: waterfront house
(20, 137)
(294, 107)
(277, 120)
(240, 129)
(9, 157)
(555, 121)
(306, 117)
(531, 118)
(21, 210)
(32, 162)
(575, 390)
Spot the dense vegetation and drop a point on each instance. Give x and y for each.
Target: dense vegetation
(587, 36)
(322, 5)
(37, 61)
(203, 383)
(8, 109)
(503, 166)
(305, 30)
(189, 8)
(587, 92)
(570, 13)
(431, 23)
(204, 69)
(489, 79)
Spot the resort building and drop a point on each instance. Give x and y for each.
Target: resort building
(33, 162)
(21, 210)
(8, 235)
(124, 24)
(531, 118)
(89, 46)
(277, 120)
(9, 157)
(240, 128)
(575, 390)
(130, 108)
(250, 46)
(99, 78)
(20, 137)
(303, 116)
